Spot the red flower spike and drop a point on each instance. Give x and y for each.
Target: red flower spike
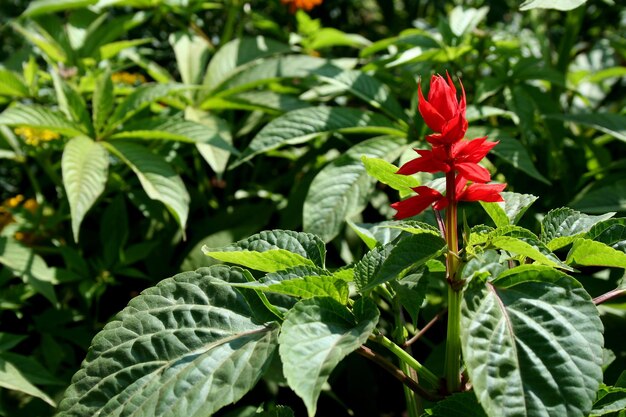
(443, 112)
(472, 150)
(489, 193)
(415, 205)
(430, 161)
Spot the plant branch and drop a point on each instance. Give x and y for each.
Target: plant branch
(618, 292)
(425, 328)
(397, 373)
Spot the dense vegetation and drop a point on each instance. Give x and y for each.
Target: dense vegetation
(133, 133)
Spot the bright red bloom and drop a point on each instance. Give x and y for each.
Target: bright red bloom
(443, 112)
(413, 206)
(489, 193)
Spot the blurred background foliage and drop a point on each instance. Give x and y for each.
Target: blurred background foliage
(133, 132)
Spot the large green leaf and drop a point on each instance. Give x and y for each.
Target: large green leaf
(85, 166)
(156, 176)
(38, 117)
(192, 54)
(273, 250)
(186, 347)
(343, 187)
(302, 125)
(562, 226)
(316, 335)
(609, 123)
(395, 260)
(238, 52)
(532, 343)
(29, 266)
(587, 252)
(12, 85)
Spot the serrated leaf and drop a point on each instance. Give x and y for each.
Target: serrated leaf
(611, 232)
(273, 250)
(511, 210)
(385, 172)
(186, 347)
(39, 117)
(587, 252)
(302, 125)
(562, 226)
(532, 346)
(11, 85)
(304, 282)
(140, 98)
(156, 176)
(395, 260)
(343, 188)
(84, 165)
(316, 335)
(29, 266)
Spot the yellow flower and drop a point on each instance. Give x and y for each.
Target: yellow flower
(301, 4)
(14, 201)
(31, 205)
(127, 78)
(33, 136)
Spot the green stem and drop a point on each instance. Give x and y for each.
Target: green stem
(422, 372)
(234, 13)
(452, 365)
(410, 397)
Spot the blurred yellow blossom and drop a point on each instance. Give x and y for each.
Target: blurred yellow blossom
(127, 78)
(31, 205)
(33, 136)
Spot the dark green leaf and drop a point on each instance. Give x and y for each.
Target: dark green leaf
(562, 226)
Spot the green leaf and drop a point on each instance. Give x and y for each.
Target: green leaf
(464, 21)
(29, 266)
(102, 101)
(610, 123)
(156, 176)
(601, 199)
(385, 172)
(302, 125)
(562, 226)
(329, 37)
(304, 282)
(112, 49)
(511, 211)
(462, 404)
(35, 34)
(551, 4)
(587, 252)
(237, 53)
(10, 340)
(192, 54)
(374, 234)
(611, 232)
(38, 117)
(186, 347)
(213, 150)
(365, 87)
(531, 248)
(343, 188)
(394, 261)
(85, 165)
(532, 343)
(316, 335)
(43, 7)
(11, 85)
(273, 250)
(139, 99)
(72, 104)
(12, 378)
(611, 400)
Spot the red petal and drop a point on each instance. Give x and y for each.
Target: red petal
(442, 96)
(415, 205)
(472, 150)
(459, 184)
(431, 116)
(473, 172)
(423, 164)
(489, 193)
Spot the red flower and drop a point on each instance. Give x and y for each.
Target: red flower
(301, 4)
(489, 193)
(413, 206)
(443, 112)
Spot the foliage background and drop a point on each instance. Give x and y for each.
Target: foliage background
(548, 84)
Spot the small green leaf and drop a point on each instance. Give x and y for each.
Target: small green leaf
(111, 49)
(192, 54)
(385, 172)
(10, 340)
(316, 335)
(11, 85)
(551, 4)
(587, 252)
(533, 249)
(532, 343)
(43, 7)
(272, 251)
(611, 232)
(562, 226)
(72, 104)
(102, 101)
(610, 123)
(39, 117)
(393, 261)
(12, 378)
(302, 125)
(375, 234)
(156, 176)
(186, 347)
(343, 189)
(463, 21)
(213, 151)
(85, 166)
(511, 211)
(611, 400)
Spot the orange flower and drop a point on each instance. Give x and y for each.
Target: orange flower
(301, 4)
